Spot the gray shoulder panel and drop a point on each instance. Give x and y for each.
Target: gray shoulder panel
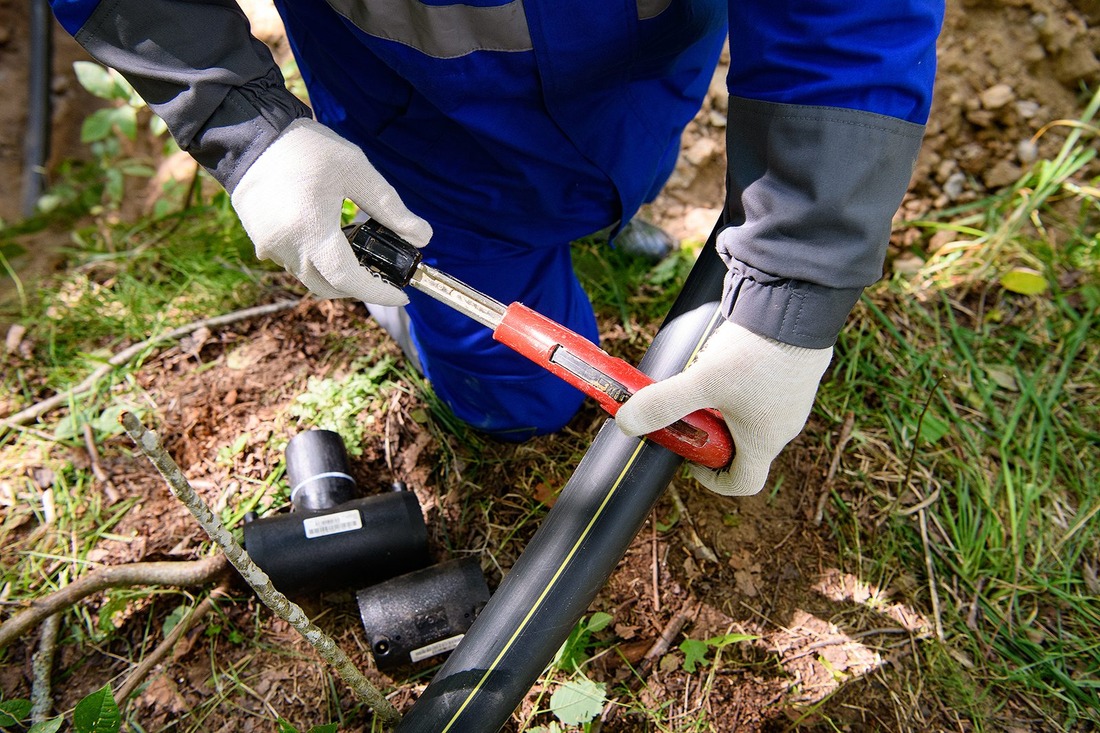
(811, 195)
(441, 31)
(446, 31)
(198, 67)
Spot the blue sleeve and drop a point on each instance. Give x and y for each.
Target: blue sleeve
(828, 100)
(72, 14)
(870, 55)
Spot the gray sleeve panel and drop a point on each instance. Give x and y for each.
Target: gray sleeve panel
(198, 67)
(811, 195)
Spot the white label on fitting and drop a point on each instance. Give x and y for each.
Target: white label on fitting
(332, 524)
(443, 645)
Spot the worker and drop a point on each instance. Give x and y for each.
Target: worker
(492, 133)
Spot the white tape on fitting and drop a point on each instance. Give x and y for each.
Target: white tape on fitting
(330, 524)
(318, 477)
(439, 647)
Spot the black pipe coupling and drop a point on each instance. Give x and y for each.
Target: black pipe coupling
(422, 614)
(412, 611)
(332, 540)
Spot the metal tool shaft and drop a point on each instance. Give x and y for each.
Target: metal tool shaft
(458, 295)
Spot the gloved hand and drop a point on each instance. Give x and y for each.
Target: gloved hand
(763, 388)
(289, 201)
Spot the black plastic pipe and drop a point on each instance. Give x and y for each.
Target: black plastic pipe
(36, 144)
(584, 536)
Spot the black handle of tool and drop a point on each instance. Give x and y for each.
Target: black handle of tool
(384, 252)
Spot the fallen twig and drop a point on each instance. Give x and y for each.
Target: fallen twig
(282, 606)
(156, 656)
(672, 629)
(695, 543)
(42, 664)
(660, 647)
(97, 469)
(931, 568)
(656, 568)
(179, 574)
(62, 398)
(827, 485)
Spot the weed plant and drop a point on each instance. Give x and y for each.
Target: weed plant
(977, 397)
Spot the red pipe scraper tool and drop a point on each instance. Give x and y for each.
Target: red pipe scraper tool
(701, 437)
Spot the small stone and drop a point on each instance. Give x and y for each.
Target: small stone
(907, 265)
(953, 187)
(980, 118)
(945, 170)
(997, 96)
(701, 151)
(1027, 108)
(14, 338)
(1027, 151)
(941, 239)
(1003, 173)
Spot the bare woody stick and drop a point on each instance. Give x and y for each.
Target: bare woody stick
(182, 574)
(283, 607)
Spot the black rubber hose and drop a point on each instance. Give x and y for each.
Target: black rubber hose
(36, 143)
(584, 536)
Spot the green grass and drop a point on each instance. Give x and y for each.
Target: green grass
(127, 282)
(1005, 392)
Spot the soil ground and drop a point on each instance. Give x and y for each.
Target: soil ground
(822, 635)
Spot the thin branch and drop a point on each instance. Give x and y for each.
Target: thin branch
(930, 566)
(668, 635)
(827, 485)
(660, 647)
(62, 398)
(282, 606)
(42, 692)
(179, 574)
(695, 543)
(97, 469)
(157, 655)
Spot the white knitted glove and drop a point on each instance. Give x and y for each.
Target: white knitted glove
(289, 202)
(763, 388)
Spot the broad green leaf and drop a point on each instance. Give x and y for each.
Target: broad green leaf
(932, 429)
(96, 79)
(727, 639)
(132, 168)
(578, 701)
(599, 621)
(173, 619)
(47, 726)
(666, 270)
(1024, 280)
(326, 728)
(124, 90)
(114, 183)
(1003, 378)
(107, 423)
(13, 711)
(695, 652)
(157, 126)
(126, 120)
(97, 713)
(97, 126)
